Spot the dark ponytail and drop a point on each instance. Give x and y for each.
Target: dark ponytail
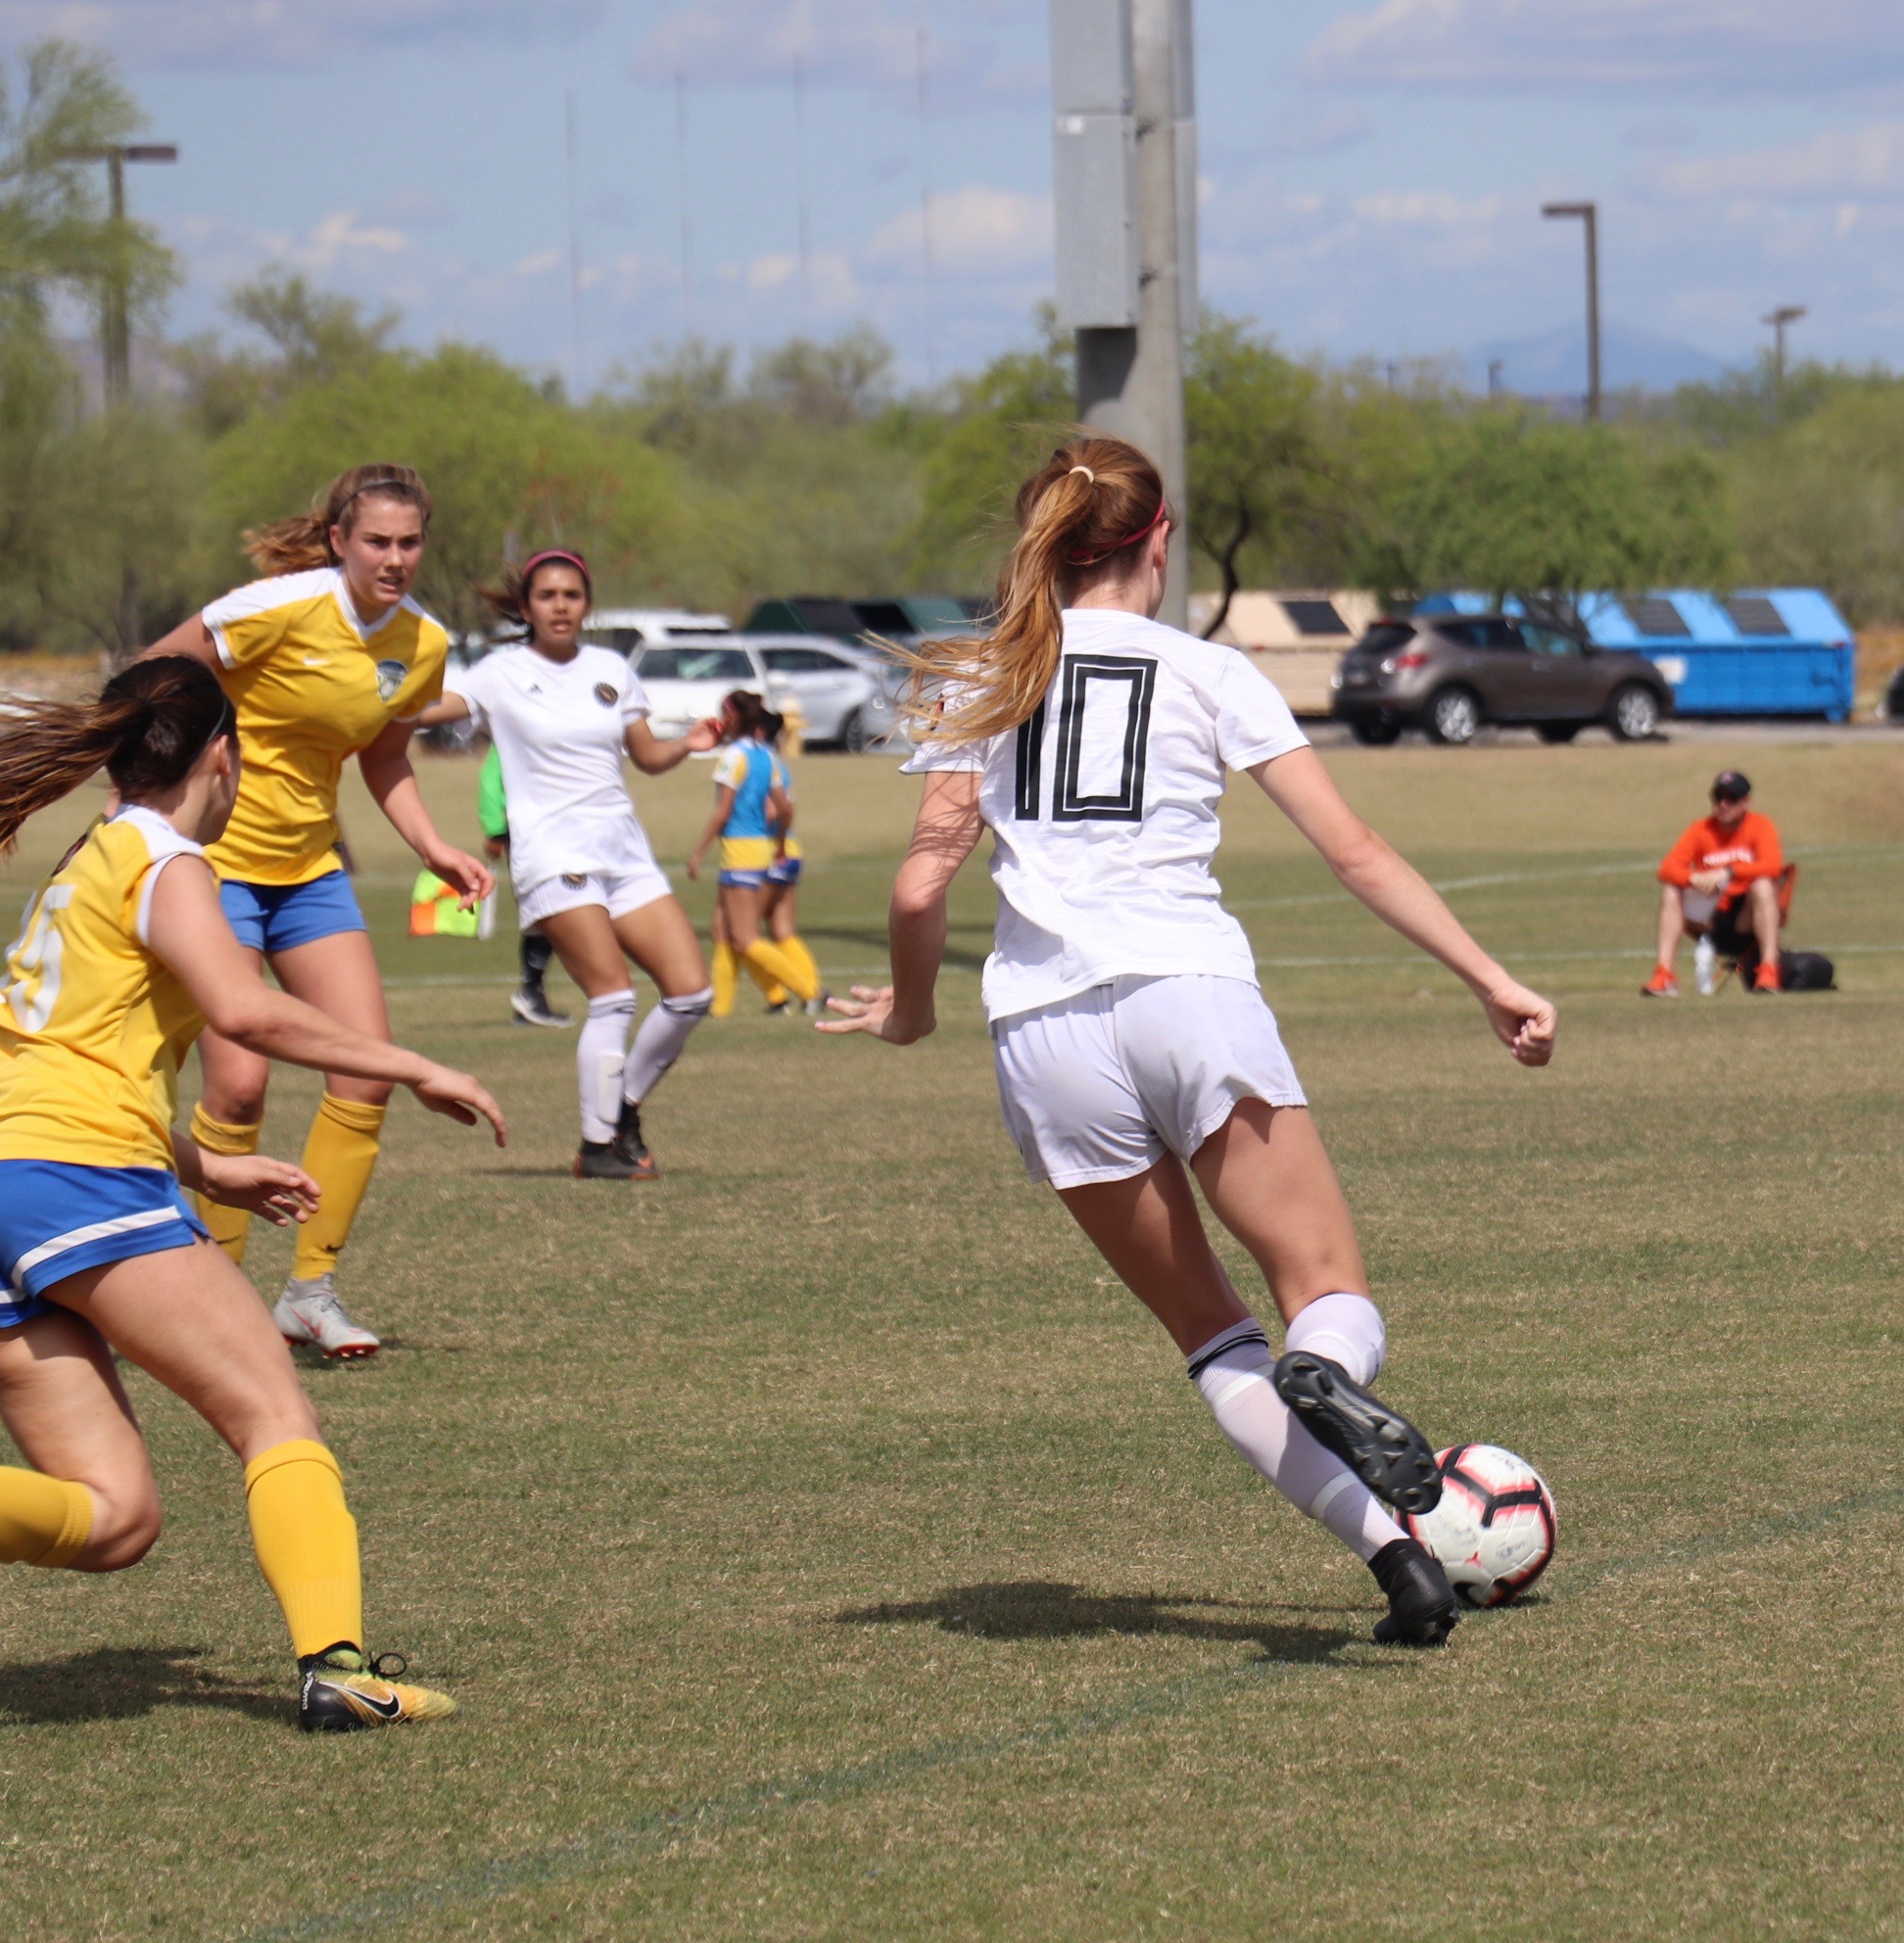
(148, 729)
(747, 711)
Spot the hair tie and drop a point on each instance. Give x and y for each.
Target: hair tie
(1086, 471)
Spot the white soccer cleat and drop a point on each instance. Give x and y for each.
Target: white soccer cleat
(311, 1312)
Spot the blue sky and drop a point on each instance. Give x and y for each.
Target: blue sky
(1372, 169)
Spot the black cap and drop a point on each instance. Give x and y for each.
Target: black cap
(1729, 787)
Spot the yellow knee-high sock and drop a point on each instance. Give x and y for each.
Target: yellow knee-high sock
(43, 1521)
(307, 1543)
(772, 960)
(230, 1226)
(727, 975)
(794, 947)
(338, 1155)
(771, 988)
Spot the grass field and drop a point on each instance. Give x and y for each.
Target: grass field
(820, 1547)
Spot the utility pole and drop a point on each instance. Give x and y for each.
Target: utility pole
(1590, 216)
(1786, 313)
(116, 326)
(1124, 188)
(115, 337)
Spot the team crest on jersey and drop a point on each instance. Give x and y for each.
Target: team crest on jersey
(391, 676)
(604, 693)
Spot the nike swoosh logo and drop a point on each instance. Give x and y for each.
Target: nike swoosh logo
(385, 1710)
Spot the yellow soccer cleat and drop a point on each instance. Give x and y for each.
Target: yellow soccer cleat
(342, 1690)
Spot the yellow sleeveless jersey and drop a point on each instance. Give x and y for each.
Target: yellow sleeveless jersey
(92, 1025)
(312, 687)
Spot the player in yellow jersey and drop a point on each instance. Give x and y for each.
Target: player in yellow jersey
(123, 955)
(325, 658)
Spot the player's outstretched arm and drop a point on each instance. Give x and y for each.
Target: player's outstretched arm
(654, 757)
(947, 832)
(390, 778)
(187, 929)
(1397, 892)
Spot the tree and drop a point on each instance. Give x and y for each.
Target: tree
(1821, 505)
(1257, 469)
(1512, 504)
(1003, 423)
(511, 468)
(89, 512)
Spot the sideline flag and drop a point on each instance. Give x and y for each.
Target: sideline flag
(435, 913)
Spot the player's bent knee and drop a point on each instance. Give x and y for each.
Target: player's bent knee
(123, 1531)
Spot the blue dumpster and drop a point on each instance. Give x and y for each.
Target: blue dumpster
(1775, 650)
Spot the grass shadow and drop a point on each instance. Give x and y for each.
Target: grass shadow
(1041, 1609)
(123, 1684)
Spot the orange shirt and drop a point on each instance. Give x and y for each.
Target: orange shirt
(1749, 849)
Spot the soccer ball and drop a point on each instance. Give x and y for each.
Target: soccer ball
(1495, 1527)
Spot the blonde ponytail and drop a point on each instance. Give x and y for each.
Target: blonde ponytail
(1087, 505)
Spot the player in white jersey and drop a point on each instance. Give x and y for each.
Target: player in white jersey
(561, 716)
(1132, 1046)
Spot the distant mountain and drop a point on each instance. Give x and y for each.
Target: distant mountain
(1553, 363)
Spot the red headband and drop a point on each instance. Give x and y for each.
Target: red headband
(1144, 532)
(548, 553)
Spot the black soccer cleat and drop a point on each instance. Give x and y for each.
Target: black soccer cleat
(1379, 1444)
(631, 1147)
(1422, 1607)
(604, 1161)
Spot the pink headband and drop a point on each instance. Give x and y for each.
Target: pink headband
(548, 553)
(1143, 533)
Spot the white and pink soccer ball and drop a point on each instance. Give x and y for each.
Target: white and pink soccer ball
(1495, 1527)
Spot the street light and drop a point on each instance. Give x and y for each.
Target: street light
(117, 330)
(1786, 313)
(1589, 215)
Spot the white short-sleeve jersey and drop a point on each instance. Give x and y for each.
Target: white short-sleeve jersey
(558, 727)
(1103, 810)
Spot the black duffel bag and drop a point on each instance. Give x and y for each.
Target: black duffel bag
(1798, 971)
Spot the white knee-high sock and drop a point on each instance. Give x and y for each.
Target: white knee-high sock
(1346, 1329)
(1232, 1372)
(657, 1045)
(598, 1053)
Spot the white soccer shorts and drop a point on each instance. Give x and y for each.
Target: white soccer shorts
(1102, 1085)
(618, 891)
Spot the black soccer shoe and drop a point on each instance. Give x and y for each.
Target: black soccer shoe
(631, 1148)
(604, 1161)
(1380, 1446)
(1422, 1607)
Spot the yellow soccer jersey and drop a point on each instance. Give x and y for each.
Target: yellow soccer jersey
(312, 687)
(92, 1025)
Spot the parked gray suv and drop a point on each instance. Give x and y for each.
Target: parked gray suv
(1450, 673)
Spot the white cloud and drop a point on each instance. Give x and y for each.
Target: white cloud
(1427, 209)
(1769, 46)
(976, 231)
(843, 43)
(1840, 163)
(242, 33)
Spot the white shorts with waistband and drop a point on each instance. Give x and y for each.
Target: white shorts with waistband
(1103, 1084)
(618, 891)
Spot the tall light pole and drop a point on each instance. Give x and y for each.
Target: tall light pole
(1786, 313)
(115, 331)
(116, 321)
(1590, 216)
(1125, 189)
